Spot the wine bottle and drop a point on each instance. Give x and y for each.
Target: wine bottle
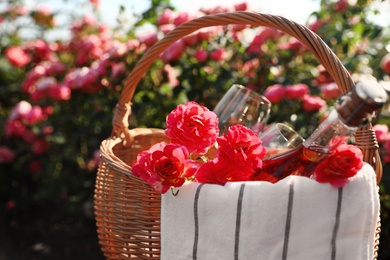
(352, 110)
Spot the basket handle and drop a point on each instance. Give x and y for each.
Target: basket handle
(365, 138)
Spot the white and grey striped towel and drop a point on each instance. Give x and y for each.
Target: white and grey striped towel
(294, 219)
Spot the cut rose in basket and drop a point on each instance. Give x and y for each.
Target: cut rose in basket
(194, 126)
(164, 166)
(344, 162)
(197, 153)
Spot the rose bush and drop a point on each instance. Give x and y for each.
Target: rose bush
(72, 85)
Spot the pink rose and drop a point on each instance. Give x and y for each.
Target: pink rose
(14, 128)
(40, 147)
(191, 39)
(386, 145)
(312, 103)
(243, 6)
(171, 75)
(297, 91)
(218, 54)
(148, 38)
(217, 172)
(60, 92)
(164, 166)
(201, 55)
(381, 132)
(166, 28)
(314, 26)
(173, 52)
(181, 17)
(341, 6)
(6, 155)
(292, 44)
(193, 126)
(35, 115)
(20, 110)
(95, 2)
(385, 63)
(344, 162)
(323, 76)
(274, 93)
(17, 56)
(261, 38)
(242, 148)
(207, 33)
(166, 17)
(330, 91)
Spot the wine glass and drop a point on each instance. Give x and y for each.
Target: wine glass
(241, 105)
(280, 138)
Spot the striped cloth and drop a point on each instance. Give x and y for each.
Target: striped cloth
(294, 219)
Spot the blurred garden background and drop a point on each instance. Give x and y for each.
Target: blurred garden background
(62, 71)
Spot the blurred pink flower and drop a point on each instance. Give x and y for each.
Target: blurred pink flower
(312, 103)
(201, 55)
(28, 85)
(60, 92)
(385, 63)
(181, 17)
(237, 27)
(381, 132)
(166, 28)
(243, 6)
(166, 17)
(292, 44)
(173, 52)
(17, 56)
(41, 50)
(6, 155)
(118, 70)
(219, 54)
(274, 93)
(208, 33)
(10, 204)
(20, 110)
(330, 91)
(262, 37)
(14, 128)
(341, 6)
(315, 25)
(35, 115)
(40, 147)
(83, 79)
(296, 91)
(172, 75)
(132, 44)
(95, 2)
(323, 76)
(117, 49)
(148, 38)
(191, 39)
(29, 136)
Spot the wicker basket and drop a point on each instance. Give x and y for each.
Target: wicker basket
(127, 210)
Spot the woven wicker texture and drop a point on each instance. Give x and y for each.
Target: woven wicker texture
(127, 210)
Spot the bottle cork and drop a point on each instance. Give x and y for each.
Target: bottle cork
(357, 106)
